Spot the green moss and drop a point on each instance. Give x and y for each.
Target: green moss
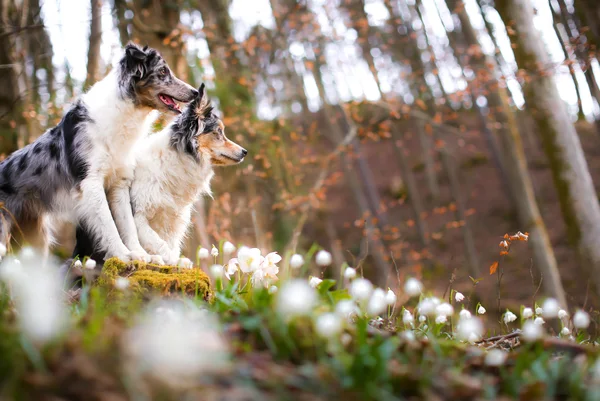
(146, 277)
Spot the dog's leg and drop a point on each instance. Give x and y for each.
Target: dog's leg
(94, 214)
(6, 224)
(119, 202)
(180, 227)
(38, 234)
(151, 241)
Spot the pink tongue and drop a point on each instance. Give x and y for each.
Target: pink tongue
(168, 100)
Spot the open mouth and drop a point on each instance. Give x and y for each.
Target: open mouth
(170, 103)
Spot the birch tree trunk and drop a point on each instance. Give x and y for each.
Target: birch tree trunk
(577, 196)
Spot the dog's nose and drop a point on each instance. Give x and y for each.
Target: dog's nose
(244, 152)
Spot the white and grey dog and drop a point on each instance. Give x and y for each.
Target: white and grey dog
(85, 164)
(173, 168)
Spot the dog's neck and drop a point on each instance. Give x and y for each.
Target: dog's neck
(192, 175)
(115, 113)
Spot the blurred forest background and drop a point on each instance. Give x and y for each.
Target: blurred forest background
(407, 136)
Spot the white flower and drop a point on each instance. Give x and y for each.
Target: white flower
(422, 319)
(185, 263)
(495, 357)
(361, 289)
(581, 320)
(259, 279)
(469, 329)
(228, 248)
(565, 331)
(539, 321)
(390, 298)
(203, 253)
(509, 317)
(296, 261)
(407, 317)
(90, 264)
(231, 268)
(441, 319)
(346, 339)
(295, 297)
(413, 287)
(27, 254)
(408, 335)
(328, 325)
(346, 308)
(10, 269)
(532, 331)
(465, 314)
(377, 303)
(444, 309)
(269, 265)
(350, 273)
(459, 297)
(195, 345)
(527, 313)
(550, 308)
(323, 258)
(38, 296)
(473, 338)
(214, 252)
(248, 260)
(216, 271)
(539, 311)
(121, 283)
(2, 250)
(426, 307)
(273, 289)
(481, 310)
(78, 264)
(314, 281)
(562, 314)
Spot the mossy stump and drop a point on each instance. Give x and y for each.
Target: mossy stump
(166, 280)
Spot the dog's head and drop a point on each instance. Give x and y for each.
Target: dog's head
(146, 78)
(200, 133)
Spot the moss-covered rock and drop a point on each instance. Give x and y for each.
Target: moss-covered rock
(166, 280)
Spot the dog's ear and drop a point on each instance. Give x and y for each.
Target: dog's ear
(135, 60)
(202, 104)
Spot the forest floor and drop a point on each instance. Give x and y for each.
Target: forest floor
(492, 215)
(299, 342)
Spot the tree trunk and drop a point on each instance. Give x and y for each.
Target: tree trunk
(414, 196)
(514, 159)
(576, 193)
(12, 105)
(233, 83)
(429, 162)
(567, 54)
(119, 9)
(360, 23)
(93, 60)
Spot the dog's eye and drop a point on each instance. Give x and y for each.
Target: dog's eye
(163, 71)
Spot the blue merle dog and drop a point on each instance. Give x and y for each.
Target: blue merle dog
(83, 167)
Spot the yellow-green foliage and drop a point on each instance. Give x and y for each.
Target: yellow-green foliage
(164, 279)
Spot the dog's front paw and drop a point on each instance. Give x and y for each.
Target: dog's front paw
(185, 263)
(171, 258)
(138, 253)
(157, 260)
(121, 253)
